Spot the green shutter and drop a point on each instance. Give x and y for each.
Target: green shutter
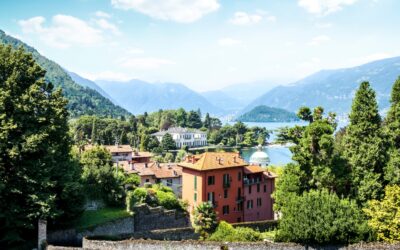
(195, 182)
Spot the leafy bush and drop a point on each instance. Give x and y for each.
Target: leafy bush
(321, 217)
(167, 200)
(226, 232)
(384, 216)
(135, 197)
(204, 219)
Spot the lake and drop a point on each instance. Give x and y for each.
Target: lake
(279, 155)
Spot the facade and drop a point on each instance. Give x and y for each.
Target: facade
(184, 137)
(258, 186)
(168, 174)
(120, 153)
(221, 179)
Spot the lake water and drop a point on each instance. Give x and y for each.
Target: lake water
(278, 155)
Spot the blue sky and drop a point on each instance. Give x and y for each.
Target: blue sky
(205, 44)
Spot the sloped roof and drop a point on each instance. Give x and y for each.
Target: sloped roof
(178, 130)
(159, 170)
(253, 169)
(214, 160)
(141, 155)
(113, 148)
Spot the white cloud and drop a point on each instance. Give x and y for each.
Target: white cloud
(228, 41)
(63, 32)
(310, 65)
(144, 63)
(184, 11)
(318, 40)
(271, 18)
(106, 25)
(243, 18)
(134, 51)
(369, 58)
(324, 7)
(102, 14)
(323, 25)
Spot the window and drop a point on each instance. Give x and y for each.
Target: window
(211, 180)
(250, 204)
(226, 182)
(249, 189)
(195, 197)
(195, 182)
(225, 193)
(239, 194)
(258, 187)
(239, 176)
(147, 180)
(211, 197)
(169, 182)
(239, 219)
(225, 209)
(265, 188)
(258, 202)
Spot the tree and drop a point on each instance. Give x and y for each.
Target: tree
(207, 121)
(365, 148)
(169, 157)
(167, 142)
(392, 130)
(305, 114)
(94, 132)
(38, 176)
(180, 155)
(204, 219)
(181, 117)
(321, 217)
(100, 179)
(194, 120)
(384, 216)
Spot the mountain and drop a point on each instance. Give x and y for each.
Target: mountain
(82, 100)
(268, 114)
(334, 89)
(220, 99)
(139, 96)
(89, 84)
(247, 92)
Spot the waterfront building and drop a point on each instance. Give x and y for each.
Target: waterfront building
(184, 137)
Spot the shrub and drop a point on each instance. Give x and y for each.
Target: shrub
(135, 197)
(321, 217)
(167, 200)
(204, 219)
(384, 216)
(226, 232)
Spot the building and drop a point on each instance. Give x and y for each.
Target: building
(168, 174)
(258, 186)
(184, 137)
(259, 157)
(221, 179)
(125, 153)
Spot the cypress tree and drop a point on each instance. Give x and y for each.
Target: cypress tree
(364, 145)
(392, 130)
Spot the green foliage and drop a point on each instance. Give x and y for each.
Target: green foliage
(365, 148)
(90, 219)
(180, 155)
(321, 217)
(268, 114)
(167, 142)
(384, 216)
(38, 176)
(138, 196)
(168, 200)
(204, 220)
(100, 178)
(194, 120)
(169, 157)
(81, 100)
(132, 179)
(226, 232)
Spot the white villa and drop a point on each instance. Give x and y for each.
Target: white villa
(184, 137)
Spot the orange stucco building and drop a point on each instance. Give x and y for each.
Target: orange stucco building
(219, 178)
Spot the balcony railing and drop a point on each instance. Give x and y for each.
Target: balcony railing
(239, 199)
(252, 181)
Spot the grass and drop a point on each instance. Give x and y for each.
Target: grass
(94, 218)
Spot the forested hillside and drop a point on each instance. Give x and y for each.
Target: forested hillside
(82, 101)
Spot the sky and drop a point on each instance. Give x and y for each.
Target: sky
(205, 44)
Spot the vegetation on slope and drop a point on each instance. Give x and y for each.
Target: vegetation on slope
(264, 113)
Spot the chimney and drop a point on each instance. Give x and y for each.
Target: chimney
(145, 165)
(175, 173)
(234, 159)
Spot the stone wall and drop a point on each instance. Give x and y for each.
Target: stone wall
(152, 218)
(188, 245)
(261, 226)
(72, 237)
(175, 234)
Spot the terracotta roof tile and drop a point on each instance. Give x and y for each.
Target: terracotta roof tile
(253, 169)
(160, 171)
(213, 160)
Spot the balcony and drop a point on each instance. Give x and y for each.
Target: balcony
(226, 184)
(239, 199)
(252, 181)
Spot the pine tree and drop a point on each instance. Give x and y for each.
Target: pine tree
(194, 120)
(94, 132)
(167, 142)
(392, 130)
(364, 146)
(38, 176)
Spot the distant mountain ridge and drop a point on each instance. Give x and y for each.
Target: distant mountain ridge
(222, 100)
(334, 89)
(263, 113)
(81, 100)
(139, 96)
